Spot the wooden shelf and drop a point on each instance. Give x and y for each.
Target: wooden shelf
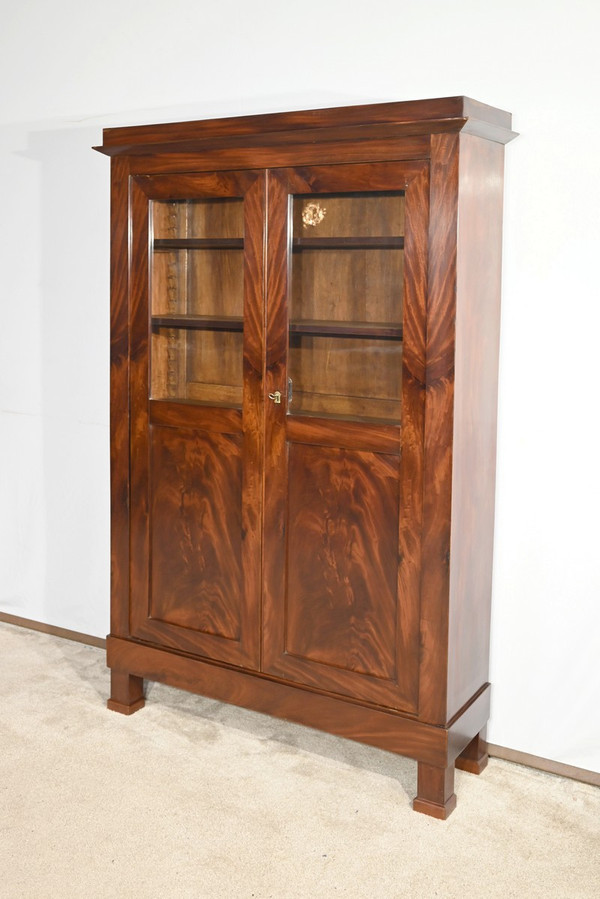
(199, 243)
(348, 243)
(372, 330)
(199, 322)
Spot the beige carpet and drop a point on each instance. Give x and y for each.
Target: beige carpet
(192, 798)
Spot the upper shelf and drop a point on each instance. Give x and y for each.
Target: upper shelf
(199, 322)
(299, 243)
(199, 243)
(309, 328)
(348, 243)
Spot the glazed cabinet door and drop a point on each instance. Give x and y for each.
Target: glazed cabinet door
(344, 428)
(196, 432)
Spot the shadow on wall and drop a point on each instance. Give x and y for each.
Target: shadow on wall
(61, 374)
(54, 354)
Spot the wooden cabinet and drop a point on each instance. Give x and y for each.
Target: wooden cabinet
(305, 312)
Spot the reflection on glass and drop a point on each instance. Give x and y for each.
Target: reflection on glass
(200, 219)
(204, 366)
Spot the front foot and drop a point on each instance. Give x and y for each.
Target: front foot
(435, 791)
(126, 693)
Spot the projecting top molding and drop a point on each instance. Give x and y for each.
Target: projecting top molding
(367, 122)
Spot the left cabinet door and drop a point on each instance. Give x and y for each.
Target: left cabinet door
(196, 359)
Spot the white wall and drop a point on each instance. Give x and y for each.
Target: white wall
(71, 67)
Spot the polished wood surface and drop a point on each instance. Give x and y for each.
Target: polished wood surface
(478, 274)
(303, 420)
(439, 398)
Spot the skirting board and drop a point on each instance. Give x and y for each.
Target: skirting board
(53, 631)
(499, 752)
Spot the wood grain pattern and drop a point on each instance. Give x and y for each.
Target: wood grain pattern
(190, 415)
(195, 546)
(333, 152)
(356, 435)
(342, 538)
(437, 473)
(410, 531)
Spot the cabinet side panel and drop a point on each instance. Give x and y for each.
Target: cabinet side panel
(475, 412)
(437, 474)
(119, 397)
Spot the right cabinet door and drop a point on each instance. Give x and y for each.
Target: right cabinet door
(347, 268)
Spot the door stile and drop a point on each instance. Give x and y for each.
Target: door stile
(119, 397)
(253, 415)
(276, 447)
(138, 398)
(413, 428)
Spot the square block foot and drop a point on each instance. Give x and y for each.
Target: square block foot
(473, 766)
(434, 810)
(124, 709)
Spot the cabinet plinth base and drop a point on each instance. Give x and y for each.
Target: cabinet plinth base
(434, 748)
(127, 693)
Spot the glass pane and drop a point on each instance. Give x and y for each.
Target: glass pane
(198, 218)
(198, 282)
(197, 300)
(351, 378)
(204, 366)
(347, 285)
(346, 305)
(373, 214)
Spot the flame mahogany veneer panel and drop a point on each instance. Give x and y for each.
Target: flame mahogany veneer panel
(196, 534)
(342, 547)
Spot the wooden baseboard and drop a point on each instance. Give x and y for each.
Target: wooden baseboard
(547, 765)
(52, 630)
(495, 751)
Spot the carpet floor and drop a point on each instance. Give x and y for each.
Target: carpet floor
(193, 798)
